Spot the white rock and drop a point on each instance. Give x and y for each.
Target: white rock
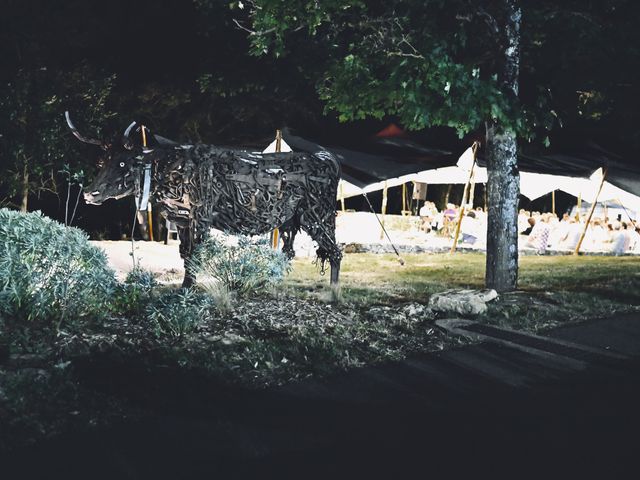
(464, 302)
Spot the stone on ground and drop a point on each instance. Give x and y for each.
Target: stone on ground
(463, 302)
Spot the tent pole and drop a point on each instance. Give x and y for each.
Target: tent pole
(474, 149)
(472, 190)
(383, 208)
(446, 196)
(366, 197)
(553, 202)
(342, 195)
(591, 210)
(404, 198)
(579, 206)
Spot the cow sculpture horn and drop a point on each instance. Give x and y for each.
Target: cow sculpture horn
(125, 137)
(78, 135)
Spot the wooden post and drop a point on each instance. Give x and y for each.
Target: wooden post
(474, 149)
(553, 202)
(472, 190)
(446, 196)
(591, 210)
(383, 208)
(579, 206)
(278, 141)
(341, 186)
(404, 198)
(275, 235)
(149, 219)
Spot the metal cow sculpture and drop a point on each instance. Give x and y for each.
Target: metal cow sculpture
(204, 186)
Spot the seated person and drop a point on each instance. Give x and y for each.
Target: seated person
(469, 228)
(618, 239)
(532, 222)
(539, 236)
(427, 213)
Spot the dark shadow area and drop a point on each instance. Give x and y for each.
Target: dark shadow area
(483, 408)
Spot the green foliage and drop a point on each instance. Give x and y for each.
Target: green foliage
(49, 272)
(246, 268)
(34, 137)
(412, 60)
(178, 313)
(438, 62)
(135, 292)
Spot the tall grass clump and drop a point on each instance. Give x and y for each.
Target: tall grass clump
(49, 272)
(243, 267)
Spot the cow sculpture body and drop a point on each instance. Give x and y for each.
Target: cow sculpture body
(199, 187)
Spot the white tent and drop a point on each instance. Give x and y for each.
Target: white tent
(532, 185)
(272, 147)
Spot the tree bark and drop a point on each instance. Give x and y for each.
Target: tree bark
(24, 204)
(503, 189)
(503, 184)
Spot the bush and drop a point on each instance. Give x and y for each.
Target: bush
(135, 291)
(178, 313)
(49, 272)
(248, 267)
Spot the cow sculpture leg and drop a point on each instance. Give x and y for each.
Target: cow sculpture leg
(288, 236)
(323, 233)
(185, 235)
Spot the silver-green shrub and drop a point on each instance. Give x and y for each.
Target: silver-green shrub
(49, 272)
(135, 292)
(248, 267)
(178, 313)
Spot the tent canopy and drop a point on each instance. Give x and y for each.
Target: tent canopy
(397, 159)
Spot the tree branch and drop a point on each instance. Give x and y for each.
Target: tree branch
(262, 32)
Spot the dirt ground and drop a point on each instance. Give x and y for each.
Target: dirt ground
(163, 260)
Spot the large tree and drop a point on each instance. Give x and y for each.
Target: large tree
(434, 63)
(489, 67)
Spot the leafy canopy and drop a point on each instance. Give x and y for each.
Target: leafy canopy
(427, 63)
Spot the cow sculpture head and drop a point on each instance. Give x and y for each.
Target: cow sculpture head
(120, 166)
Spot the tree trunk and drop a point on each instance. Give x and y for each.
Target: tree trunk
(24, 204)
(503, 184)
(503, 188)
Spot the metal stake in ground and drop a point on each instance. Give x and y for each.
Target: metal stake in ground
(364, 194)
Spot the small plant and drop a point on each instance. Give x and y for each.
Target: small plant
(135, 291)
(219, 293)
(179, 313)
(49, 272)
(248, 267)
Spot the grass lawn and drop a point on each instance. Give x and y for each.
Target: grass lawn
(552, 289)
